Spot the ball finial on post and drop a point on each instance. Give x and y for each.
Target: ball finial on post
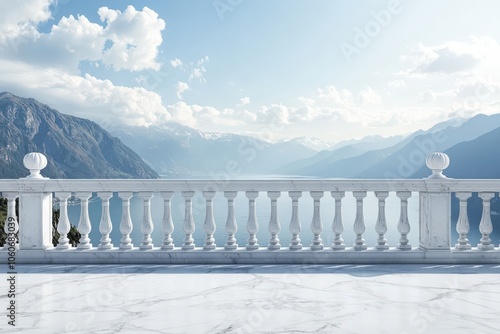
(437, 162)
(35, 162)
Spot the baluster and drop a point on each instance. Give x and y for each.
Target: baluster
(252, 224)
(105, 225)
(84, 226)
(359, 223)
(167, 223)
(63, 226)
(463, 222)
(147, 226)
(209, 225)
(231, 226)
(485, 226)
(404, 224)
(338, 226)
(188, 220)
(295, 227)
(274, 222)
(11, 206)
(13, 225)
(126, 222)
(381, 225)
(316, 224)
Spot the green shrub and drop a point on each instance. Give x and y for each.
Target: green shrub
(73, 235)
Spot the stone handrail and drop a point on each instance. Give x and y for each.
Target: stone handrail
(36, 195)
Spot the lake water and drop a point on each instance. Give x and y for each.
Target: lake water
(284, 213)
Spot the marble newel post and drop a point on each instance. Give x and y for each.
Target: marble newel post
(435, 207)
(35, 207)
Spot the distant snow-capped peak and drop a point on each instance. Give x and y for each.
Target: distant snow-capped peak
(310, 142)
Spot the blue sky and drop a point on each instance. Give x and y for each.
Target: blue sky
(270, 68)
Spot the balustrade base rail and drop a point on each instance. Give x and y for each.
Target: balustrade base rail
(261, 256)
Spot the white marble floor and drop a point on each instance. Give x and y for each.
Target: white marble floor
(255, 299)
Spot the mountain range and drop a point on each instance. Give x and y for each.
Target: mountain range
(79, 148)
(321, 163)
(407, 161)
(398, 157)
(177, 150)
(74, 147)
(473, 158)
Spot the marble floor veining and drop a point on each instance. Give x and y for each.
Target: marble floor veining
(254, 299)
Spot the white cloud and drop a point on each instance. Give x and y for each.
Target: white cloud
(452, 56)
(69, 42)
(205, 116)
(87, 96)
(308, 113)
(20, 18)
(176, 63)
(183, 113)
(129, 40)
(396, 84)
(334, 112)
(274, 114)
(369, 97)
(306, 100)
(444, 59)
(202, 61)
(480, 88)
(202, 116)
(180, 88)
(427, 96)
(458, 78)
(341, 98)
(46, 66)
(238, 118)
(198, 71)
(136, 36)
(244, 101)
(353, 108)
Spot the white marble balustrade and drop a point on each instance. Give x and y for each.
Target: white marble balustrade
(147, 224)
(285, 242)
